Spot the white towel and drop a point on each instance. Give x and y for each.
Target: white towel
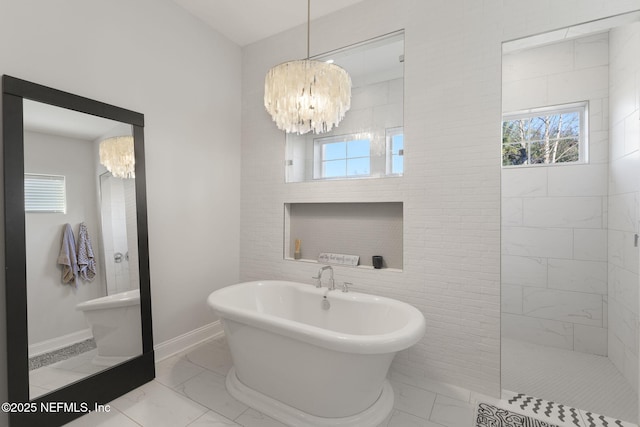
(67, 256)
(86, 260)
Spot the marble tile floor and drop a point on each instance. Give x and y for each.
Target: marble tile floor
(189, 391)
(53, 376)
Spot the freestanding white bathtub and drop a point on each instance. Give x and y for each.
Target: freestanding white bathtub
(306, 365)
(116, 326)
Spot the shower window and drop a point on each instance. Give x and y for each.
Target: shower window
(543, 136)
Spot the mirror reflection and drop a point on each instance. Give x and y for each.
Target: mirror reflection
(83, 299)
(369, 142)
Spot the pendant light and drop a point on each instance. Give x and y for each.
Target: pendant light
(307, 95)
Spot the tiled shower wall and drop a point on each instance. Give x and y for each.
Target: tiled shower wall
(624, 184)
(554, 222)
(451, 186)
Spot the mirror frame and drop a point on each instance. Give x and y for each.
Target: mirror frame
(110, 383)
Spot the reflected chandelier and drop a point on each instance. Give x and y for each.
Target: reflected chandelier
(117, 155)
(307, 95)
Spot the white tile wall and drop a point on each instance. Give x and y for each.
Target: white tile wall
(590, 339)
(578, 180)
(536, 268)
(537, 242)
(574, 307)
(552, 333)
(452, 202)
(564, 212)
(578, 276)
(554, 219)
(590, 245)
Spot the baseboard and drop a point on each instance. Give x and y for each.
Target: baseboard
(186, 341)
(59, 342)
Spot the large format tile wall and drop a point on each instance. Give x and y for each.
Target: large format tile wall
(451, 187)
(554, 223)
(624, 184)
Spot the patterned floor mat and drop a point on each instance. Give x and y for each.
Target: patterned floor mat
(492, 416)
(518, 409)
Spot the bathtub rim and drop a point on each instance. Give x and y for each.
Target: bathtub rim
(400, 339)
(121, 299)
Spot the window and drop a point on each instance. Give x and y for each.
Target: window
(395, 151)
(343, 156)
(44, 193)
(543, 136)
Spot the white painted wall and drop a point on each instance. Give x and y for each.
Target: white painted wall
(151, 56)
(624, 199)
(451, 186)
(554, 223)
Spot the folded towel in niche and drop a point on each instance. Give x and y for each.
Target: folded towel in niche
(86, 260)
(67, 256)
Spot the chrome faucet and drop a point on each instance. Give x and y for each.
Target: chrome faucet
(318, 277)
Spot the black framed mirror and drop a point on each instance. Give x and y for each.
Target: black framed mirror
(53, 139)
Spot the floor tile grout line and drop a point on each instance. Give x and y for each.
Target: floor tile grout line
(208, 409)
(125, 415)
(432, 406)
(184, 395)
(188, 379)
(241, 414)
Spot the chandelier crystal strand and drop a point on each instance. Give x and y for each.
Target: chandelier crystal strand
(117, 155)
(307, 95)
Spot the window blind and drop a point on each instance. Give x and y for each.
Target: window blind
(44, 193)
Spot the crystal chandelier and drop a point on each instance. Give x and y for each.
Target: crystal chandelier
(116, 154)
(307, 95)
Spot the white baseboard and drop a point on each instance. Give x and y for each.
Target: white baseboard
(59, 342)
(186, 341)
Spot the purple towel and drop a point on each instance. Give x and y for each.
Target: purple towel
(86, 260)
(67, 256)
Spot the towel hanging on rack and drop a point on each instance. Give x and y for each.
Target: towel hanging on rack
(67, 256)
(86, 260)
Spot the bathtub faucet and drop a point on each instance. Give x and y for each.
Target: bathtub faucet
(332, 283)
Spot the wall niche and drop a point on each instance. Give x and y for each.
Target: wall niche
(363, 229)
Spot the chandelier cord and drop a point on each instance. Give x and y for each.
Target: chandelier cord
(308, 28)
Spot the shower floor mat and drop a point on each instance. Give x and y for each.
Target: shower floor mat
(521, 410)
(491, 416)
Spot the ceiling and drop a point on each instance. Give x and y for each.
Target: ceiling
(49, 119)
(247, 21)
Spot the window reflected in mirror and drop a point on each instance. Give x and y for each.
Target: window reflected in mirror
(369, 142)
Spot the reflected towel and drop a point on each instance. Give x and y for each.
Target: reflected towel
(86, 260)
(67, 256)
